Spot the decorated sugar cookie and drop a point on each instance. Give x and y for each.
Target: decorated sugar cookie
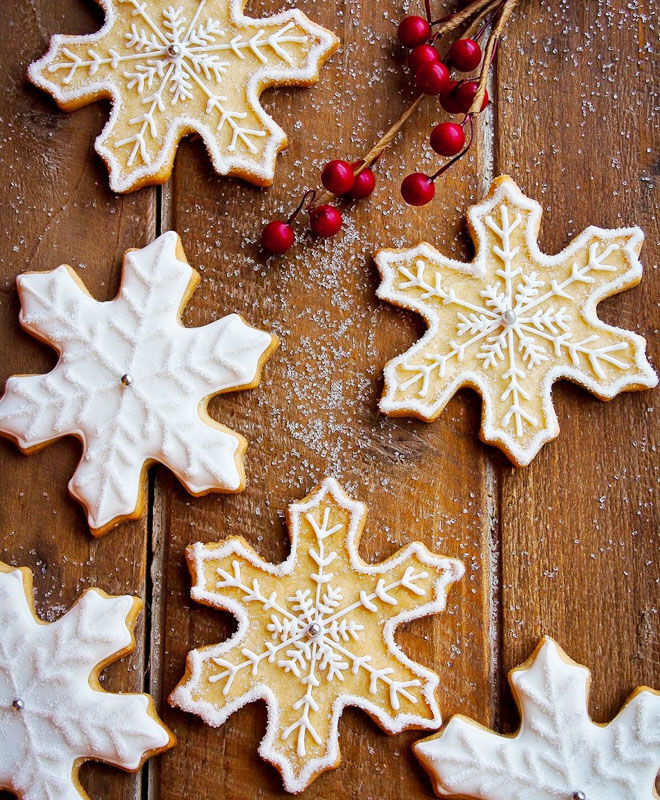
(316, 633)
(558, 753)
(512, 322)
(193, 66)
(131, 382)
(54, 715)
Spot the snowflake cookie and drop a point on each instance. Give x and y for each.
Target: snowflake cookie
(558, 753)
(316, 634)
(512, 322)
(54, 715)
(196, 66)
(132, 383)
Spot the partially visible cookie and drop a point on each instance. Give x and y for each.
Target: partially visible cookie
(195, 66)
(132, 383)
(54, 715)
(558, 753)
(512, 322)
(315, 634)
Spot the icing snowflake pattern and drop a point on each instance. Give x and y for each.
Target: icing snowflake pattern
(513, 321)
(558, 753)
(53, 713)
(196, 65)
(315, 634)
(131, 382)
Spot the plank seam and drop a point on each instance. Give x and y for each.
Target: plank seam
(154, 572)
(492, 478)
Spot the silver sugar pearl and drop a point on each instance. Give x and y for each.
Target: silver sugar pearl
(126, 380)
(18, 704)
(174, 51)
(508, 317)
(578, 796)
(314, 629)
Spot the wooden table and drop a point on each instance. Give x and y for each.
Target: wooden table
(567, 546)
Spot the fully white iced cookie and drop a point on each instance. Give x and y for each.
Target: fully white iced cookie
(512, 322)
(194, 66)
(54, 715)
(315, 634)
(558, 753)
(131, 382)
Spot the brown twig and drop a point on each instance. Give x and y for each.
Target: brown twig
(481, 8)
(456, 20)
(493, 40)
(376, 151)
(380, 146)
(481, 20)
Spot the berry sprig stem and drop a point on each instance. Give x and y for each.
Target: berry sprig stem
(369, 159)
(506, 9)
(386, 139)
(277, 236)
(453, 21)
(356, 180)
(482, 21)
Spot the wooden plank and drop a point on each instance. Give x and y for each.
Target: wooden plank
(57, 209)
(580, 548)
(316, 410)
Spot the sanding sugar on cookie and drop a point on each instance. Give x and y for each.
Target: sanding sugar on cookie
(132, 383)
(558, 753)
(512, 322)
(315, 634)
(194, 66)
(54, 715)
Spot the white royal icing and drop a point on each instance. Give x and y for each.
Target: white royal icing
(558, 753)
(508, 327)
(50, 716)
(131, 380)
(179, 62)
(314, 640)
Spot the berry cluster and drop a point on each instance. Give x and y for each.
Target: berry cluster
(467, 96)
(433, 77)
(351, 181)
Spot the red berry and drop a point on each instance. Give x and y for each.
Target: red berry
(413, 31)
(337, 176)
(448, 99)
(465, 93)
(417, 189)
(422, 54)
(277, 237)
(365, 183)
(465, 55)
(325, 220)
(431, 78)
(447, 139)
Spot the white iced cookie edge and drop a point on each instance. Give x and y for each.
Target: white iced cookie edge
(558, 753)
(53, 716)
(515, 319)
(304, 648)
(166, 57)
(131, 381)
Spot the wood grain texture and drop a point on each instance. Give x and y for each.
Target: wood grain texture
(56, 208)
(580, 525)
(567, 546)
(316, 410)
